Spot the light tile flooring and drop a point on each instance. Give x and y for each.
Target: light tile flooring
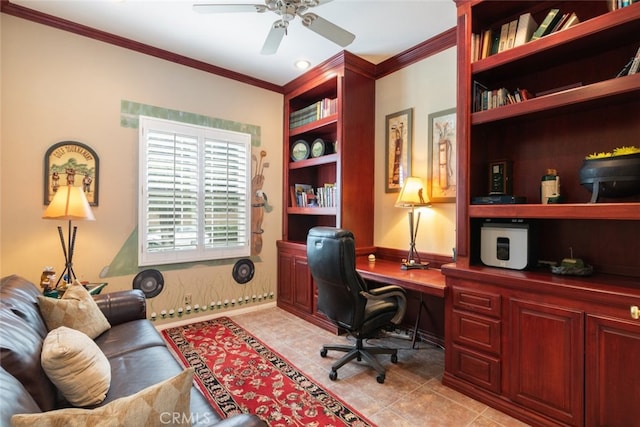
(412, 394)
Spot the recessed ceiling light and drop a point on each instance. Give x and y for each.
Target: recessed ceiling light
(302, 64)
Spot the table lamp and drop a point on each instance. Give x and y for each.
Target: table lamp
(413, 195)
(69, 203)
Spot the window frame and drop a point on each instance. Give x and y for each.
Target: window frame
(204, 135)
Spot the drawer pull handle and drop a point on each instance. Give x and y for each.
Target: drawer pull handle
(635, 312)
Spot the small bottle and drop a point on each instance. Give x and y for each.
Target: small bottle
(47, 278)
(550, 187)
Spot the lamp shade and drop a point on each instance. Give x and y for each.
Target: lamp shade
(69, 203)
(412, 194)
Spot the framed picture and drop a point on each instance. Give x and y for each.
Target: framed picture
(442, 156)
(71, 163)
(398, 149)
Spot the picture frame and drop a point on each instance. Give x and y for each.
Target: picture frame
(442, 156)
(71, 163)
(399, 131)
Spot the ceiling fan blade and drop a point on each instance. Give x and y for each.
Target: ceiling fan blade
(271, 44)
(327, 29)
(229, 8)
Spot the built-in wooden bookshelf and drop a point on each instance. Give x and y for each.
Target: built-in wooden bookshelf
(338, 100)
(579, 106)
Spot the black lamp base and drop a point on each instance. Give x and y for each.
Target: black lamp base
(414, 266)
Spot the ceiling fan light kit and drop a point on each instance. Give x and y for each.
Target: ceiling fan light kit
(287, 10)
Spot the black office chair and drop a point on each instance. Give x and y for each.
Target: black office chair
(344, 297)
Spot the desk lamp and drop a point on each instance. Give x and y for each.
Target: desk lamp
(413, 195)
(69, 203)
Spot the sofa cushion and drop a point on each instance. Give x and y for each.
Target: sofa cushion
(75, 364)
(20, 348)
(76, 309)
(20, 296)
(129, 336)
(166, 403)
(15, 399)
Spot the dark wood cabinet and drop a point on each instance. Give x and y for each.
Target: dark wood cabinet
(545, 364)
(566, 343)
(613, 374)
(334, 103)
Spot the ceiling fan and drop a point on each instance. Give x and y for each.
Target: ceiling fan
(287, 10)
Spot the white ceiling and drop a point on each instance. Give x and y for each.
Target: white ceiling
(233, 41)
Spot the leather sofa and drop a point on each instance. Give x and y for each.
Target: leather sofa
(136, 352)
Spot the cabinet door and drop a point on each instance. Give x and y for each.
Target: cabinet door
(546, 366)
(302, 284)
(285, 278)
(613, 372)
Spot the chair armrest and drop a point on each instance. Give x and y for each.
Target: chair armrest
(390, 291)
(122, 306)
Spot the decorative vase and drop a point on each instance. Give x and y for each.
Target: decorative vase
(617, 176)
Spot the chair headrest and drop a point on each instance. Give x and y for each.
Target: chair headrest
(330, 232)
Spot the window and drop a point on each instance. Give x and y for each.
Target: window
(194, 199)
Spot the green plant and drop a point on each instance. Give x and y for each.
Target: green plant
(621, 151)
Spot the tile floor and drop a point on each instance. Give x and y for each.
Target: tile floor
(412, 394)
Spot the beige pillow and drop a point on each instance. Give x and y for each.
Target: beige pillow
(163, 404)
(76, 310)
(76, 365)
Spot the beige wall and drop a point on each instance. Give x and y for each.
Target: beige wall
(428, 86)
(58, 86)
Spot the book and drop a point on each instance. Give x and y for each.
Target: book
(552, 18)
(635, 64)
(487, 40)
(559, 24)
(504, 33)
(570, 22)
(526, 26)
(511, 35)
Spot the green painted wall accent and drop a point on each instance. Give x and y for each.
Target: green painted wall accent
(126, 260)
(129, 112)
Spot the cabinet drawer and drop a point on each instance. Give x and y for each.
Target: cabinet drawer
(476, 368)
(476, 331)
(477, 302)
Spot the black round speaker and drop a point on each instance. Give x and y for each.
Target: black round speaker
(243, 271)
(150, 282)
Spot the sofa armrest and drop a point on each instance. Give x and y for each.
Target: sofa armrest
(122, 306)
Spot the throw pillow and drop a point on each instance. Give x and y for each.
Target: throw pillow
(165, 404)
(76, 309)
(76, 365)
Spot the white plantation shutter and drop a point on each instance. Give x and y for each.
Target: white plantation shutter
(194, 200)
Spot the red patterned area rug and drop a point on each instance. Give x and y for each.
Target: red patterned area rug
(238, 373)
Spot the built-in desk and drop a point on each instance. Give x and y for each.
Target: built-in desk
(429, 282)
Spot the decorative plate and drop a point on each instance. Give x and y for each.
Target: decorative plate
(317, 148)
(150, 282)
(243, 271)
(300, 150)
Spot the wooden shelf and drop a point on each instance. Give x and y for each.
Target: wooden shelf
(573, 99)
(320, 125)
(601, 211)
(316, 161)
(601, 29)
(311, 211)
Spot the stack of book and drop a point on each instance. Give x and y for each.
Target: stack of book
(632, 67)
(316, 111)
(486, 99)
(304, 196)
(518, 32)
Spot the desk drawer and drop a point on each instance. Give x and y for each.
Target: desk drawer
(476, 331)
(476, 368)
(477, 302)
